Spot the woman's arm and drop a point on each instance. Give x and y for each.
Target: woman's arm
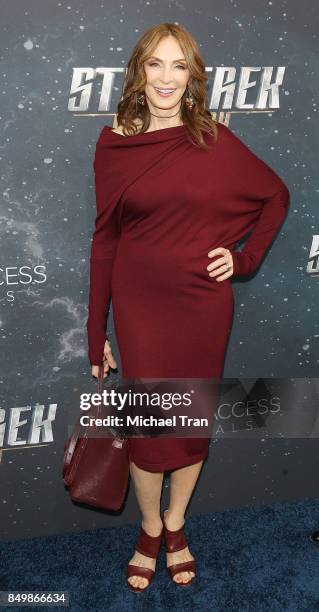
(264, 192)
(272, 216)
(103, 248)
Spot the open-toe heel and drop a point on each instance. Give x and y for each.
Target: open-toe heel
(175, 541)
(149, 546)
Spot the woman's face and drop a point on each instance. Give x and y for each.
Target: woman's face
(167, 70)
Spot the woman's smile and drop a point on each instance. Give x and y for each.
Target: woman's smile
(164, 93)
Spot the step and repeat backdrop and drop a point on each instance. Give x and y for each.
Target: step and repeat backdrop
(62, 72)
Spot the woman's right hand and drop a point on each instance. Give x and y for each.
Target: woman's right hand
(108, 361)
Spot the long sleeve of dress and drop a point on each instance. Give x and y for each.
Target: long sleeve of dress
(268, 196)
(103, 248)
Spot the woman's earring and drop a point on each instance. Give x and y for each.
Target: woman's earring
(141, 99)
(189, 100)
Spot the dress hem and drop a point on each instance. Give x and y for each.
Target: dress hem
(165, 467)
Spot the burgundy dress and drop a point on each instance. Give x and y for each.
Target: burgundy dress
(162, 204)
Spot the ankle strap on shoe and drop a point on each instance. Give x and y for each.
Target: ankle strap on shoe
(148, 545)
(174, 540)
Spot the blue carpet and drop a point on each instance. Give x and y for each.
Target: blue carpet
(251, 559)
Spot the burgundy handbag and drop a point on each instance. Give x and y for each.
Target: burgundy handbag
(96, 470)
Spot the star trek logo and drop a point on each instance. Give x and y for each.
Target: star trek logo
(248, 89)
(313, 262)
(18, 432)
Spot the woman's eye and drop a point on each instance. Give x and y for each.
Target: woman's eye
(156, 64)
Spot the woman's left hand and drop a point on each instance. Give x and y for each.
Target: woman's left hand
(222, 264)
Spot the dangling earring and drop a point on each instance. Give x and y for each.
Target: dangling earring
(189, 100)
(141, 99)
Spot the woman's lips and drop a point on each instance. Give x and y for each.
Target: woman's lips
(164, 95)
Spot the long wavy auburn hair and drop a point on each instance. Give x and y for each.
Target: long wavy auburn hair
(129, 110)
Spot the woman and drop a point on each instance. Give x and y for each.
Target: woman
(175, 192)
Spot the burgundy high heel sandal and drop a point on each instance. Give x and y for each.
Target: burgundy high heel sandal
(149, 546)
(175, 541)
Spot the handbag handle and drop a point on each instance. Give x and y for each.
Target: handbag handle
(100, 379)
(70, 447)
(118, 438)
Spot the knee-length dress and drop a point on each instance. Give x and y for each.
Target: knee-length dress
(163, 204)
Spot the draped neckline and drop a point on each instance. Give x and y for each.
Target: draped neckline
(152, 136)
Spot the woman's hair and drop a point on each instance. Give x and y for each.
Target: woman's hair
(128, 110)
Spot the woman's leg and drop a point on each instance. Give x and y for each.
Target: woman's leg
(183, 482)
(148, 489)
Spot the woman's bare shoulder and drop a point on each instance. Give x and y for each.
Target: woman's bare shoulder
(119, 128)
